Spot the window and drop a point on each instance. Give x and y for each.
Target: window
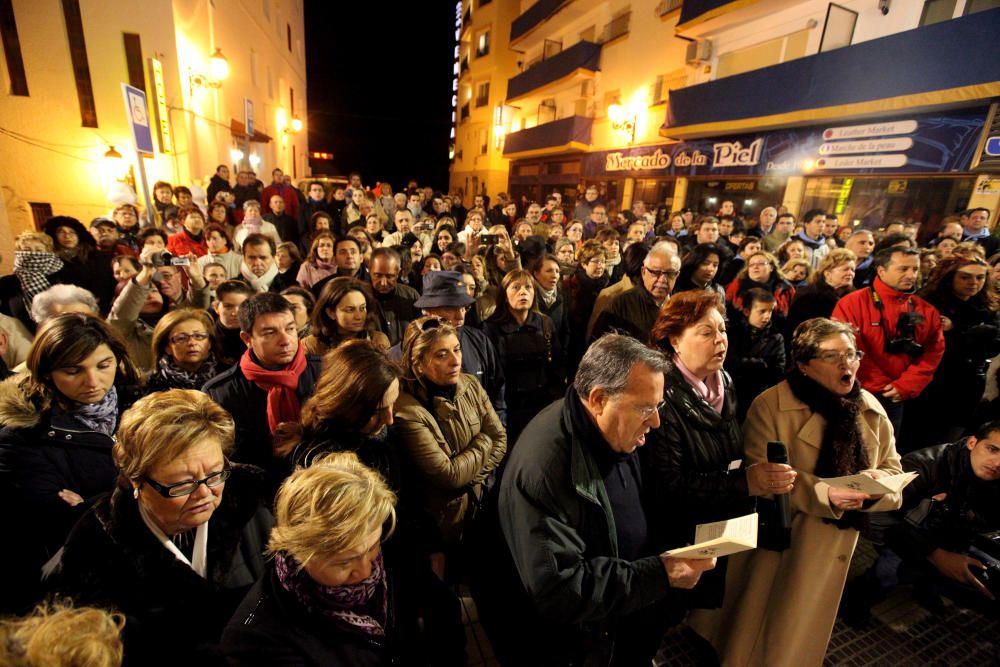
(40, 212)
(253, 67)
(483, 44)
(81, 67)
(12, 49)
(133, 60)
(936, 11)
(618, 26)
(483, 94)
(974, 6)
(546, 111)
(838, 30)
(484, 141)
(288, 35)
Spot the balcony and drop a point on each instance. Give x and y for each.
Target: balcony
(913, 71)
(464, 115)
(537, 13)
(582, 59)
(566, 134)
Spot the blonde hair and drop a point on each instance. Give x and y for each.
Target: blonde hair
(161, 426)
(161, 334)
(417, 341)
(793, 264)
(57, 635)
(20, 243)
(836, 257)
(329, 508)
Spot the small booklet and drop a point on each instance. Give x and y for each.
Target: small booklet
(865, 484)
(721, 538)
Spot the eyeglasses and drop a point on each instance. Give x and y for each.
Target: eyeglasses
(646, 413)
(598, 262)
(669, 273)
(189, 487)
(832, 357)
(180, 339)
(758, 265)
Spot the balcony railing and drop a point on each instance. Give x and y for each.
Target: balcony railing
(536, 14)
(464, 113)
(572, 133)
(580, 56)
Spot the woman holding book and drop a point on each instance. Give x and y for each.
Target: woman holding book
(780, 606)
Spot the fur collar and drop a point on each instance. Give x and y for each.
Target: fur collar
(16, 411)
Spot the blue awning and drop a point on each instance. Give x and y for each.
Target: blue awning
(581, 56)
(572, 133)
(949, 64)
(704, 9)
(535, 15)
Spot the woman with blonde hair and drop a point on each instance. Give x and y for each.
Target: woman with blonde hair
(331, 596)
(447, 426)
(60, 635)
(179, 541)
(797, 272)
(185, 351)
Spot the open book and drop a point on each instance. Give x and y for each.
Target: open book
(721, 538)
(865, 484)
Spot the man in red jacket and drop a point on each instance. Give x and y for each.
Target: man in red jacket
(899, 333)
(284, 190)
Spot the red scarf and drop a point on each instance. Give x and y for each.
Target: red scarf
(280, 385)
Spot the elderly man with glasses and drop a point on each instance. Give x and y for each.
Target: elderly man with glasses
(633, 312)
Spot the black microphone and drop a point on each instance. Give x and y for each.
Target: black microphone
(778, 453)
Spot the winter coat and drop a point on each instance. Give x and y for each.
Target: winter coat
(814, 300)
(756, 360)
(534, 368)
(247, 403)
(780, 607)
(604, 299)
(181, 243)
(971, 505)
(558, 523)
(453, 446)
(217, 184)
(396, 311)
(287, 192)
(172, 615)
(879, 368)
(42, 453)
(632, 313)
(689, 474)
(581, 295)
(271, 627)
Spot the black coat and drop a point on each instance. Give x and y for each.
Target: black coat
(755, 360)
(687, 465)
(173, 616)
(632, 313)
(396, 311)
(971, 505)
(581, 294)
(247, 403)
(271, 627)
(816, 300)
(40, 455)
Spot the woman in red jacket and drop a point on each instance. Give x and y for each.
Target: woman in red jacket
(191, 238)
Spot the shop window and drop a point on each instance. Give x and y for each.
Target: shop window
(618, 27)
(936, 11)
(12, 49)
(838, 30)
(483, 44)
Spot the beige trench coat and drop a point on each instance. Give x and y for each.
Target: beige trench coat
(780, 608)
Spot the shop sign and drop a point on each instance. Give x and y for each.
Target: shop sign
(935, 143)
(992, 147)
(845, 193)
(740, 186)
(988, 185)
(897, 187)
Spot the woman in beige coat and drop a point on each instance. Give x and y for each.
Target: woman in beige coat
(780, 607)
(447, 425)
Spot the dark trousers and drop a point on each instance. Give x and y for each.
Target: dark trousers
(894, 411)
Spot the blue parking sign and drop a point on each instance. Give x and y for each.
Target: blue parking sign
(137, 112)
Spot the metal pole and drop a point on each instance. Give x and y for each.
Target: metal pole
(150, 211)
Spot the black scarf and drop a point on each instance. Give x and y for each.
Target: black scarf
(842, 451)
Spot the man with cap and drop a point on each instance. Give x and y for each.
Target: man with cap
(445, 296)
(108, 237)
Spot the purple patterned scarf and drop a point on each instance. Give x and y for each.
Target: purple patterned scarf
(361, 607)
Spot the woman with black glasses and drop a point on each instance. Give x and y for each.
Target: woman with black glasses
(179, 541)
(185, 351)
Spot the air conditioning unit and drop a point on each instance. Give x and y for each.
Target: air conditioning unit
(666, 6)
(587, 88)
(698, 52)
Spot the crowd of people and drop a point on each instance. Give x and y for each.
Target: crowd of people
(279, 426)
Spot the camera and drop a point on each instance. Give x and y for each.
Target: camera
(165, 258)
(904, 341)
(489, 239)
(986, 549)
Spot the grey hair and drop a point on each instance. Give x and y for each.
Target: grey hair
(60, 295)
(810, 334)
(609, 360)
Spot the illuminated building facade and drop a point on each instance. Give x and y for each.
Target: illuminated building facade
(225, 84)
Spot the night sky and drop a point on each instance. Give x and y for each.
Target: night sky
(379, 77)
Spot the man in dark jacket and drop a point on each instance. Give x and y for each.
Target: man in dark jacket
(218, 183)
(269, 384)
(933, 540)
(571, 515)
(396, 309)
(634, 312)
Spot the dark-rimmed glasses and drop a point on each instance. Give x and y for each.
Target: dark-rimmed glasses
(189, 487)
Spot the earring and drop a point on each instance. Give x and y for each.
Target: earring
(135, 493)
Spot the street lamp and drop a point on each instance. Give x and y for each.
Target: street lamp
(623, 121)
(218, 71)
(296, 124)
